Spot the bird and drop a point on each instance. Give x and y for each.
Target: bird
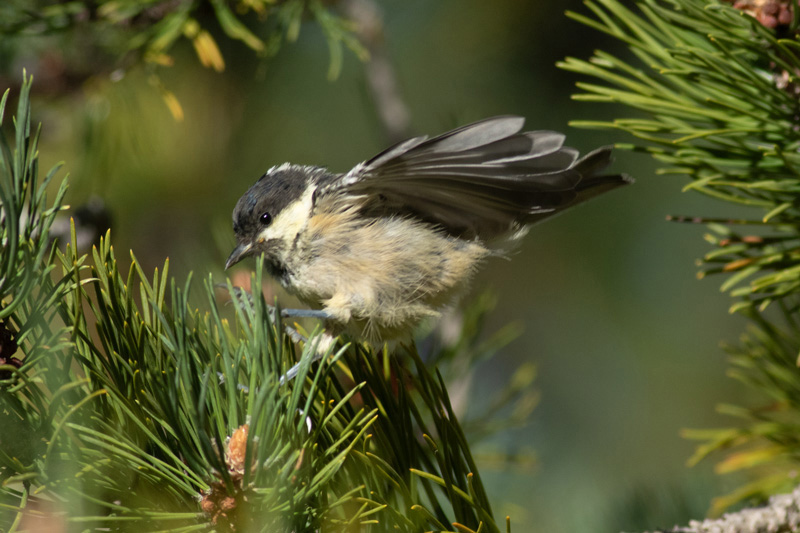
(392, 242)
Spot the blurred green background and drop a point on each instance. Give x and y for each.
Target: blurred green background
(624, 336)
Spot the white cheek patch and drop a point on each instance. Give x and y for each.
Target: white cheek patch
(288, 223)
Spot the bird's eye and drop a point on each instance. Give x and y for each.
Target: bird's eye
(266, 219)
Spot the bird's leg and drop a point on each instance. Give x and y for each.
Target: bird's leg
(322, 345)
(325, 341)
(306, 313)
(285, 313)
(295, 335)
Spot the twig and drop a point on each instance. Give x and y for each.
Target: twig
(381, 79)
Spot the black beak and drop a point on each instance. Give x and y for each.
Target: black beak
(238, 253)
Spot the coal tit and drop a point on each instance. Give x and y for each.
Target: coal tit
(393, 240)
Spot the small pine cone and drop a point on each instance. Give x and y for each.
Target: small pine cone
(786, 15)
(236, 450)
(770, 13)
(228, 504)
(208, 505)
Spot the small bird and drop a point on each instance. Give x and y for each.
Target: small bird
(392, 241)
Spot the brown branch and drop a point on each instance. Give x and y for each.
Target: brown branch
(381, 79)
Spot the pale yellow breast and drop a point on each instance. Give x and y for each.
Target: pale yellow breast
(388, 273)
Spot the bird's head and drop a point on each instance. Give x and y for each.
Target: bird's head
(269, 216)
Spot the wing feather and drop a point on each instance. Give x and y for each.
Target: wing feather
(482, 180)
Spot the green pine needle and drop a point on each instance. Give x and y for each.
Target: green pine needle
(713, 94)
(143, 403)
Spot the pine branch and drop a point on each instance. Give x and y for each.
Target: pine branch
(141, 403)
(712, 94)
(109, 38)
(715, 110)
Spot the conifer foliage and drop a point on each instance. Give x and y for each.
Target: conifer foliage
(134, 402)
(711, 93)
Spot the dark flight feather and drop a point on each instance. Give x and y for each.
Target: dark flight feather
(482, 180)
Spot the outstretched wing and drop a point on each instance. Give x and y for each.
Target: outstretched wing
(481, 180)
